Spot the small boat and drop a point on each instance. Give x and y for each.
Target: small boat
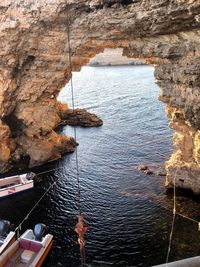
(16, 184)
(7, 238)
(30, 249)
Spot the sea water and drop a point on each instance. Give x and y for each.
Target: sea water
(128, 213)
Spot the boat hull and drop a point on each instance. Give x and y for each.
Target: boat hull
(7, 192)
(27, 250)
(43, 257)
(10, 239)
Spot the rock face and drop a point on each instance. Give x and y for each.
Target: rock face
(80, 117)
(113, 57)
(34, 66)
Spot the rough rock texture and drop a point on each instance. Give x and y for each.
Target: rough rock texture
(113, 57)
(34, 66)
(80, 117)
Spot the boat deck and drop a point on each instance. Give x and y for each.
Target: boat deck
(9, 182)
(15, 259)
(26, 251)
(22, 254)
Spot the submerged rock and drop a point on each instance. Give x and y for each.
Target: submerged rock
(161, 172)
(145, 169)
(142, 167)
(81, 117)
(41, 150)
(148, 172)
(35, 66)
(156, 170)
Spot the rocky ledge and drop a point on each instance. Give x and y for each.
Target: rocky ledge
(34, 134)
(80, 117)
(35, 65)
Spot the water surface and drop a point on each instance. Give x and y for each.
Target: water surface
(125, 209)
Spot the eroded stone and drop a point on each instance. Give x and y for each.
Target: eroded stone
(34, 66)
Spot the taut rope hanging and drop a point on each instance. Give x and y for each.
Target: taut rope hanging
(73, 107)
(80, 227)
(173, 219)
(18, 228)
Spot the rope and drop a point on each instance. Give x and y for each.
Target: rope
(51, 170)
(173, 222)
(173, 219)
(188, 218)
(82, 251)
(177, 213)
(73, 107)
(83, 261)
(154, 165)
(134, 166)
(36, 204)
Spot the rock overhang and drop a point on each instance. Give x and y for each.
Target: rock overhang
(34, 65)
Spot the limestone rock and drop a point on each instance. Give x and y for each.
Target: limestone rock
(161, 171)
(143, 167)
(34, 67)
(149, 172)
(113, 57)
(80, 117)
(47, 149)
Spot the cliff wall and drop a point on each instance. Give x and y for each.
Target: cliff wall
(34, 66)
(113, 57)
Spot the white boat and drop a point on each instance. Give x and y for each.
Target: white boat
(7, 238)
(16, 184)
(30, 250)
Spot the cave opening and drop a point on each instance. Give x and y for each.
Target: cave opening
(110, 70)
(15, 125)
(135, 131)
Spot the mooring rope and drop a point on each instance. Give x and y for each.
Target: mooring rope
(168, 209)
(73, 107)
(51, 170)
(18, 228)
(173, 218)
(82, 251)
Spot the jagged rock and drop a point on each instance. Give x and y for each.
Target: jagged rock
(161, 172)
(47, 149)
(148, 172)
(34, 66)
(80, 117)
(113, 57)
(143, 167)
(7, 146)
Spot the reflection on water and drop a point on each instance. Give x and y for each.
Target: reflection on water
(125, 209)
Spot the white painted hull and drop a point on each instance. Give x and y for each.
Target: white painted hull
(16, 189)
(31, 253)
(7, 242)
(15, 184)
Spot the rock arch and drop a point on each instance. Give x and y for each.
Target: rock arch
(34, 66)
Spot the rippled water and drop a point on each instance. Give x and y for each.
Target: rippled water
(125, 209)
